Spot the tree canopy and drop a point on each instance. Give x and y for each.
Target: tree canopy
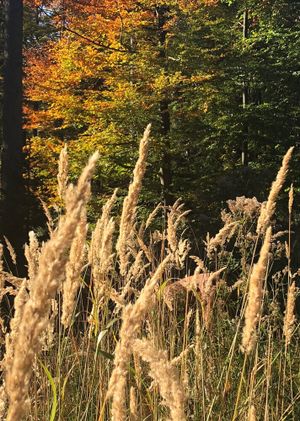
(218, 80)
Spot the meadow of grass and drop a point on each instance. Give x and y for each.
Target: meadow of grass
(122, 321)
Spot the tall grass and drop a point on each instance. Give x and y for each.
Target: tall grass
(125, 324)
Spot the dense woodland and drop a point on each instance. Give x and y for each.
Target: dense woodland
(218, 80)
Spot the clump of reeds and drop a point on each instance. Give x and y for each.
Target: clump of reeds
(35, 313)
(255, 295)
(207, 379)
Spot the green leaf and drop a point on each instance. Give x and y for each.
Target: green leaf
(54, 392)
(105, 354)
(112, 322)
(101, 336)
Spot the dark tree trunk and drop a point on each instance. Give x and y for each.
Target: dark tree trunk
(165, 170)
(12, 185)
(245, 100)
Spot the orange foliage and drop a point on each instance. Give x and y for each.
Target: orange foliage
(103, 76)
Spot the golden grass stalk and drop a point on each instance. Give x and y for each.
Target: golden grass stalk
(178, 248)
(207, 289)
(11, 250)
(35, 317)
(138, 370)
(73, 270)
(146, 249)
(135, 272)
(133, 316)
(165, 375)
(177, 360)
(3, 401)
(255, 295)
(32, 254)
(137, 268)
(11, 338)
(175, 216)
(47, 337)
(133, 405)
(101, 249)
(130, 202)
(252, 413)
(199, 262)
(62, 176)
(225, 233)
(13, 280)
(152, 215)
(50, 222)
(268, 208)
(2, 278)
(291, 199)
(289, 317)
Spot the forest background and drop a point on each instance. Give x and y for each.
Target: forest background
(219, 83)
(218, 80)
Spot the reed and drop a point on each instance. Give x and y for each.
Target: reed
(73, 270)
(130, 202)
(268, 209)
(255, 295)
(289, 318)
(164, 374)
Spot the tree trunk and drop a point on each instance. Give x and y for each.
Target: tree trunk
(12, 185)
(165, 170)
(245, 94)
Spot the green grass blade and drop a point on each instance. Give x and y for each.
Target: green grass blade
(54, 392)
